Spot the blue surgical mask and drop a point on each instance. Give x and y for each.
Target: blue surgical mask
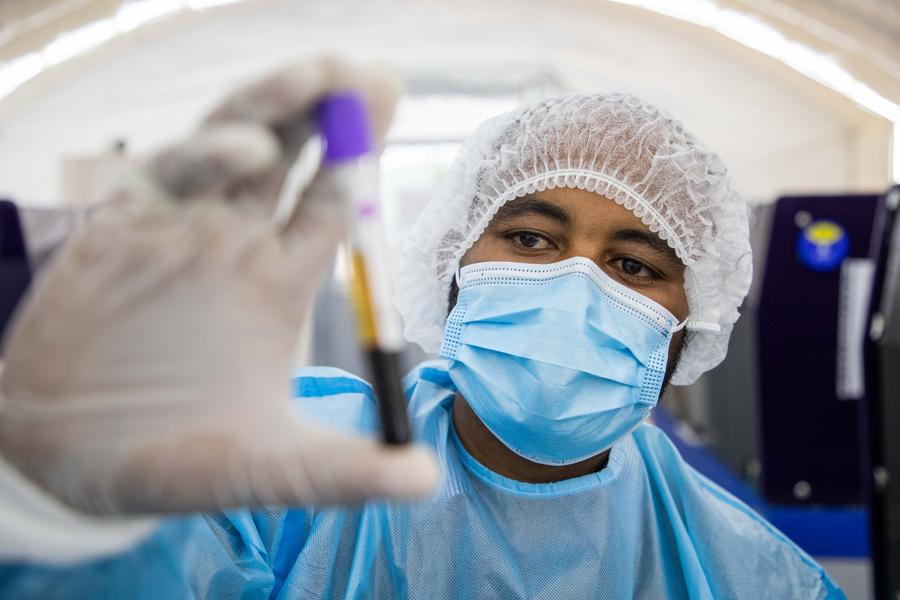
(559, 361)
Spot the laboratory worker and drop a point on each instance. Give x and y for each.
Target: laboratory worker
(582, 253)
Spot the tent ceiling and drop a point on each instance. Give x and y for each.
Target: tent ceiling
(777, 130)
(856, 30)
(867, 22)
(877, 18)
(862, 30)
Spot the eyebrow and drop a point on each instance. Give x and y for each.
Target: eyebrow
(529, 205)
(653, 242)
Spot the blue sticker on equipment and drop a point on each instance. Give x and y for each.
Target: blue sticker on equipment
(822, 245)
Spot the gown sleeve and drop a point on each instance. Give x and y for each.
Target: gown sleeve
(238, 554)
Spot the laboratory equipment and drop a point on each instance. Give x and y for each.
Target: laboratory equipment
(882, 408)
(812, 305)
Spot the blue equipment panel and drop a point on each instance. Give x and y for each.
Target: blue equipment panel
(811, 446)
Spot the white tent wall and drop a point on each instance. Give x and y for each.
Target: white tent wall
(778, 131)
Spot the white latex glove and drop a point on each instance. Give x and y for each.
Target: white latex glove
(149, 370)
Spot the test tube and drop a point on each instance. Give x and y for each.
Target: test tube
(344, 125)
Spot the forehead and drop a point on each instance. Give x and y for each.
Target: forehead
(579, 209)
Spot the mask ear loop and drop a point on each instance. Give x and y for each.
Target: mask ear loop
(701, 326)
(692, 325)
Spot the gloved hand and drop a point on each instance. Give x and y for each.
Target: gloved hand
(149, 370)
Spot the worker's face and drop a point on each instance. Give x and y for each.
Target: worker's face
(554, 225)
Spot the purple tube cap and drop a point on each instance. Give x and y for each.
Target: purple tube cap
(343, 121)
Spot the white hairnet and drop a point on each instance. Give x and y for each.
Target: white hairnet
(619, 147)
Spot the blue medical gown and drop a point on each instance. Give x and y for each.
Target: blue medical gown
(647, 526)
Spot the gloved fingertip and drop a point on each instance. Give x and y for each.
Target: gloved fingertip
(382, 85)
(335, 71)
(406, 473)
(215, 156)
(249, 147)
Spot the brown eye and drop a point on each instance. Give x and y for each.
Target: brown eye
(636, 269)
(529, 240)
(632, 267)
